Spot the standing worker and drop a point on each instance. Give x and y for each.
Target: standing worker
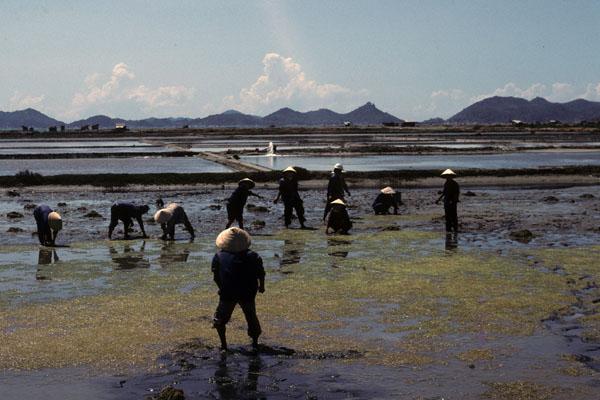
(337, 188)
(237, 201)
(239, 275)
(450, 194)
(170, 216)
(288, 192)
(126, 212)
(48, 222)
(386, 199)
(339, 220)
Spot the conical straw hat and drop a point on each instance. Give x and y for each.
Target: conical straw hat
(388, 190)
(339, 202)
(163, 216)
(448, 172)
(233, 240)
(55, 221)
(338, 166)
(290, 169)
(247, 181)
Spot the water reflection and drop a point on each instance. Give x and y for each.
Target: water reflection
(45, 257)
(335, 252)
(293, 251)
(129, 258)
(172, 253)
(234, 387)
(451, 241)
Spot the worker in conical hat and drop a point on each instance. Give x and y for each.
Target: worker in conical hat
(386, 199)
(339, 220)
(49, 223)
(450, 194)
(336, 188)
(170, 216)
(237, 201)
(239, 275)
(288, 192)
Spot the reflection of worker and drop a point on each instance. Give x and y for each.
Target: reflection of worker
(450, 194)
(130, 258)
(288, 192)
(336, 189)
(170, 216)
(339, 220)
(237, 201)
(239, 274)
(48, 222)
(172, 253)
(45, 256)
(126, 212)
(386, 199)
(451, 241)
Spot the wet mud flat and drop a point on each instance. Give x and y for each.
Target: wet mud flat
(397, 309)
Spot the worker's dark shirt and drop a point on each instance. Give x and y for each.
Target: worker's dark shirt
(237, 274)
(339, 219)
(289, 190)
(451, 192)
(239, 197)
(337, 187)
(386, 201)
(40, 213)
(125, 210)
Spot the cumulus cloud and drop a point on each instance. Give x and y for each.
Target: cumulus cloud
(442, 103)
(283, 83)
(511, 89)
(21, 101)
(120, 92)
(592, 92)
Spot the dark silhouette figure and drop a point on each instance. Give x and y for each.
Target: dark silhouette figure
(450, 194)
(288, 192)
(237, 201)
(127, 212)
(336, 188)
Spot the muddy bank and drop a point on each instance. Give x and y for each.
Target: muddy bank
(584, 174)
(97, 155)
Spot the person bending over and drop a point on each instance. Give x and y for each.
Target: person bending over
(126, 212)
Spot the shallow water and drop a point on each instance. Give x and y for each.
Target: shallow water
(111, 165)
(454, 161)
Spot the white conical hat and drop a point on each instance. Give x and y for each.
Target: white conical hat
(55, 221)
(163, 216)
(388, 190)
(290, 169)
(338, 166)
(233, 240)
(338, 201)
(249, 181)
(448, 172)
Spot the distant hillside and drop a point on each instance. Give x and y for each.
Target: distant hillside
(28, 117)
(498, 110)
(367, 114)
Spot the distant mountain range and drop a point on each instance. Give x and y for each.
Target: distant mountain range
(367, 114)
(493, 110)
(498, 110)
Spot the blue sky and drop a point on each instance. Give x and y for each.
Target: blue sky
(415, 59)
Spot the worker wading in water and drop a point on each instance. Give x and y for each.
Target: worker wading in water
(239, 275)
(170, 216)
(48, 222)
(450, 194)
(386, 199)
(288, 192)
(336, 188)
(339, 220)
(126, 212)
(237, 201)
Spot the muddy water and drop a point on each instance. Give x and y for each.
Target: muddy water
(92, 266)
(391, 162)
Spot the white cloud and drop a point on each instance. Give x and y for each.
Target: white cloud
(283, 83)
(561, 92)
(592, 92)
(21, 101)
(442, 103)
(511, 89)
(119, 94)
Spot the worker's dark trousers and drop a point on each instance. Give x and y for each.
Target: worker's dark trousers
(451, 217)
(381, 209)
(289, 210)
(225, 309)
